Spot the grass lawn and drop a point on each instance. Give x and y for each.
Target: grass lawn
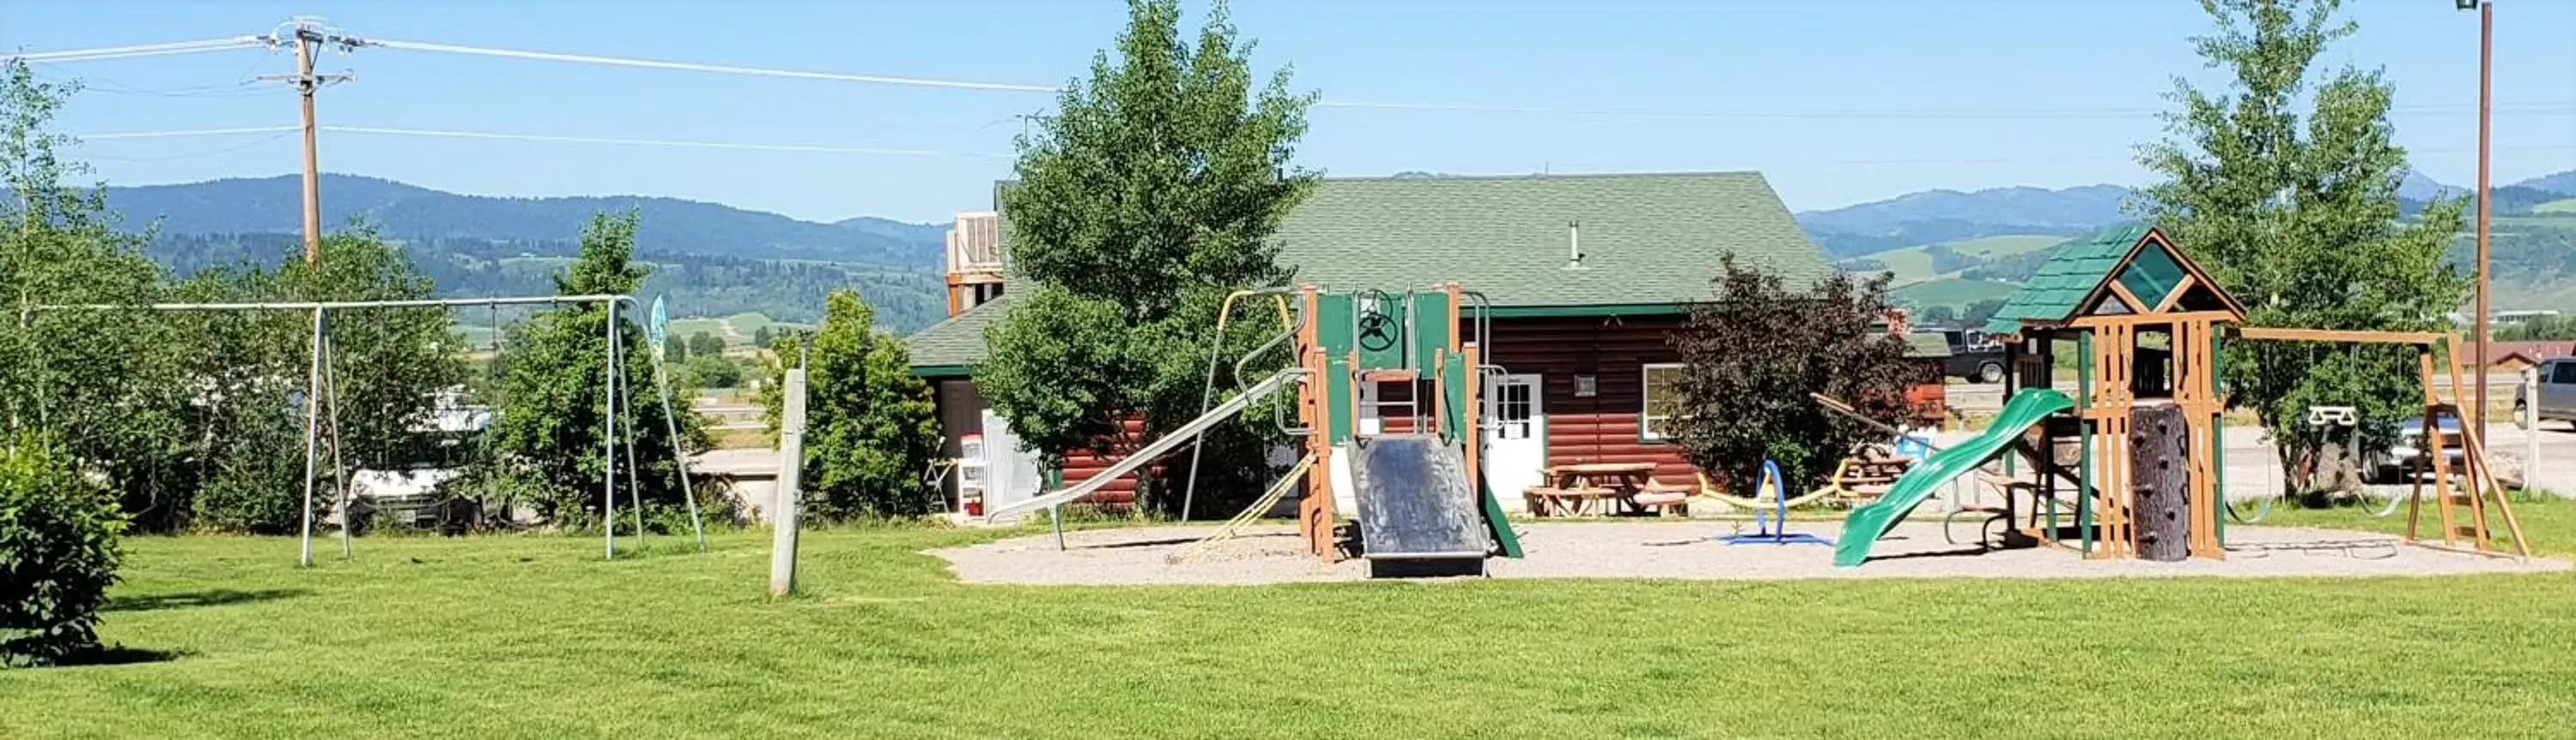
(536, 637)
(1954, 292)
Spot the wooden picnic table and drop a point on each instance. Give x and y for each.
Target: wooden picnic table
(1595, 488)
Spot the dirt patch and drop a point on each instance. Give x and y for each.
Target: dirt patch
(1684, 550)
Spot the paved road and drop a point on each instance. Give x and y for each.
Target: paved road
(1989, 397)
(2252, 467)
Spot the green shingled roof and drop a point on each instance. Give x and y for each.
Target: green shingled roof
(950, 347)
(2078, 269)
(1646, 239)
(2073, 270)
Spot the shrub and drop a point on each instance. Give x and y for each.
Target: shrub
(58, 555)
(1752, 356)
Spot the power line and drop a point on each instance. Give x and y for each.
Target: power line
(2543, 108)
(183, 132)
(545, 138)
(833, 149)
(696, 67)
(2556, 107)
(143, 50)
(658, 142)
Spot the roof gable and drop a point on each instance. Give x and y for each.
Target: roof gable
(2129, 268)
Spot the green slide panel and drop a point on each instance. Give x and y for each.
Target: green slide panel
(1868, 523)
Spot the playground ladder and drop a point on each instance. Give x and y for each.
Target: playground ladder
(2463, 509)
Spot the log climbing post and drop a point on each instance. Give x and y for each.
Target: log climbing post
(2159, 457)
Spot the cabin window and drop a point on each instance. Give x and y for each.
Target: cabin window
(1662, 398)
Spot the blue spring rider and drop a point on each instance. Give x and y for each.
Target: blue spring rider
(1763, 533)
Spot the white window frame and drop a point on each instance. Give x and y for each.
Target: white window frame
(1646, 401)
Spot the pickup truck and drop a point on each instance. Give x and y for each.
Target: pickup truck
(1973, 355)
(2557, 392)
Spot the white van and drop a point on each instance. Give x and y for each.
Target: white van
(2557, 392)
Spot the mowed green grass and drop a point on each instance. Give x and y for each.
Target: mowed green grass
(2567, 205)
(1913, 265)
(738, 329)
(1954, 292)
(537, 637)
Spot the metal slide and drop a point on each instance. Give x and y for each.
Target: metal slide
(1415, 502)
(1868, 523)
(1282, 380)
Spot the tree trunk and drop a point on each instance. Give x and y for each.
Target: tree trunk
(2160, 482)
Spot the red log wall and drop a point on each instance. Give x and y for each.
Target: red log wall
(1615, 351)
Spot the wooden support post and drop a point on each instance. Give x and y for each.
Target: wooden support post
(791, 464)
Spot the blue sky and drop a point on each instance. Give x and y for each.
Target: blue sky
(1836, 102)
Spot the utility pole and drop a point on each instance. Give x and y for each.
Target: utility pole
(309, 34)
(2486, 116)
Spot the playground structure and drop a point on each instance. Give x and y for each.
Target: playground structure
(2138, 447)
(321, 410)
(1410, 494)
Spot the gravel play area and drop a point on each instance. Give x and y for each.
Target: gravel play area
(1678, 549)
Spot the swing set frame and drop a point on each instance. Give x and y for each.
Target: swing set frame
(318, 387)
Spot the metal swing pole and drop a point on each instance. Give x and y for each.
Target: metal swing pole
(671, 422)
(608, 441)
(312, 429)
(634, 493)
(339, 459)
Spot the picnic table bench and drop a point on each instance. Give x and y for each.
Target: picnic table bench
(1603, 489)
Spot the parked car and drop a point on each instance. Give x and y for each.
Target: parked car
(2391, 466)
(1973, 356)
(2557, 392)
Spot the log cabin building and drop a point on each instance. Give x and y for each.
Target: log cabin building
(1588, 275)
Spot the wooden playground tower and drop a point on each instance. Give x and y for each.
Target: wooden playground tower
(1347, 339)
(2148, 327)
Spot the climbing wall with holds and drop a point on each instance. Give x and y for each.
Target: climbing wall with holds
(2160, 481)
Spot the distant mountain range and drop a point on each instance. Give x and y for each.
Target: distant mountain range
(1947, 246)
(712, 259)
(1935, 216)
(1951, 248)
(668, 225)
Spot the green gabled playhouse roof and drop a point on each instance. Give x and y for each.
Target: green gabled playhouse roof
(2076, 280)
(1649, 243)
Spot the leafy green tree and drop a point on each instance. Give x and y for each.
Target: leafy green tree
(2297, 215)
(675, 350)
(102, 383)
(870, 428)
(706, 344)
(1979, 312)
(713, 371)
(1148, 195)
(58, 541)
(1737, 408)
(388, 367)
(553, 405)
(1938, 316)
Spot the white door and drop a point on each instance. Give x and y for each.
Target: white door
(1011, 474)
(1515, 434)
(1371, 424)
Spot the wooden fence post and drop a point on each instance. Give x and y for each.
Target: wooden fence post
(791, 468)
